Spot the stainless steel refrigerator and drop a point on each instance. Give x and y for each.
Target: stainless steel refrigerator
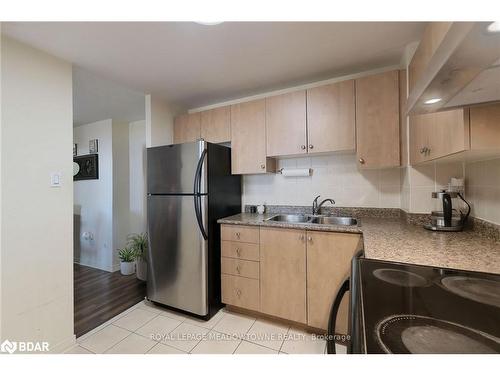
(189, 187)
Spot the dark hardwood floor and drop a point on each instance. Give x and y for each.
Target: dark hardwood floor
(101, 295)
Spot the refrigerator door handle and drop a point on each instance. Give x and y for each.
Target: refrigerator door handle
(197, 196)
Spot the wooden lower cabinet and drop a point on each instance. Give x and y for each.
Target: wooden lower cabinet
(329, 257)
(283, 273)
(240, 291)
(291, 274)
(238, 267)
(240, 233)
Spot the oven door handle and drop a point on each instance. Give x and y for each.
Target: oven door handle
(330, 342)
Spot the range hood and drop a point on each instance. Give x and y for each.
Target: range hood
(464, 68)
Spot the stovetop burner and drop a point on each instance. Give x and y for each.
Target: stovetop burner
(479, 290)
(400, 277)
(408, 308)
(413, 334)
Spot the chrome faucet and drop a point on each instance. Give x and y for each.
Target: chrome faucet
(316, 207)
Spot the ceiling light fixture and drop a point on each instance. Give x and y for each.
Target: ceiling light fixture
(432, 101)
(494, 27)
(208, 23)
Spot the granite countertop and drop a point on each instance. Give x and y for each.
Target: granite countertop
(394, 239)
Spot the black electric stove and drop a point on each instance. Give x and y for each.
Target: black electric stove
(405, 308)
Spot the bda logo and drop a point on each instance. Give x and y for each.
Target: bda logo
(8, 347)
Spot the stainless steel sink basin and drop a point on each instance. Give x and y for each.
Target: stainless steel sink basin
(292, 218)
(312, 219)
(334, 220)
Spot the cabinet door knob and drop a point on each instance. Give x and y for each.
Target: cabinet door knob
(301, 237)
(311, 147)
(309, 239)
(238, 269)
(303, 147)
(238, 234)
(262, 166)
(361, 161)
(238, 292)
(238, 251)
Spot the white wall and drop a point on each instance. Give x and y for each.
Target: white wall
(93, 199)
(159, 122)
(121, 191)
(335, 176)
(137, 160)
(36, 219)
(102, 205)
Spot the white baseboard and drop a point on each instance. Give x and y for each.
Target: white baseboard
(108, 269)
(115, 267)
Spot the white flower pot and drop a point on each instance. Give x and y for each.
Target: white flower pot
(142, 269)
(127, 268)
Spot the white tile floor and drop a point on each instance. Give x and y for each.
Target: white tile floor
(149, 329)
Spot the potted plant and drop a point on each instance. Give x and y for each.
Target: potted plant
(127, 260)
(139, 243)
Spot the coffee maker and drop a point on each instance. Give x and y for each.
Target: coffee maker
(449, 219)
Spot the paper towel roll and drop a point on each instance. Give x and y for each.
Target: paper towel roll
(301, 172)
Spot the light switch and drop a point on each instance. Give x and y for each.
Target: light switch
(55, 179)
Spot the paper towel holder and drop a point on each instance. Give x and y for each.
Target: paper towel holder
(307, 171)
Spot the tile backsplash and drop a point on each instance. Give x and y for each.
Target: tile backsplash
(337, 176)
(334, 176)
(483, 189)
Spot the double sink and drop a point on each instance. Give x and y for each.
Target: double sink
(314, 219)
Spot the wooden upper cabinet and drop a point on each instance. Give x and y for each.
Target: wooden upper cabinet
(331, 117)
(283, 273)
(377, 120)
(187, 128)
(403, 123)
(248, 139)
(329, 257)
(434, 135)
(437, 135)
(286, 124)
(216, 125)
(485, 127)
(434, 34)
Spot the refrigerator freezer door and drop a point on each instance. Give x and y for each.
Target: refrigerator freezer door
(172, 169)
(178, 253)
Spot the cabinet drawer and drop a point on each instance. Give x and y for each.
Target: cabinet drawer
(240, 250)
(240, 291)
(240, 233)
(237, 267)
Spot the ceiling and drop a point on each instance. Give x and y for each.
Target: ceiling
(192, 65)
(96, 98)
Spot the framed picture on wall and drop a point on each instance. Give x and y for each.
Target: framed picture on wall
(88, 167)
(93, 146)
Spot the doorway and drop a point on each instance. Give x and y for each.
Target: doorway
(109, 147)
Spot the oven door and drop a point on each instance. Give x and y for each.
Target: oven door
(355, 324)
